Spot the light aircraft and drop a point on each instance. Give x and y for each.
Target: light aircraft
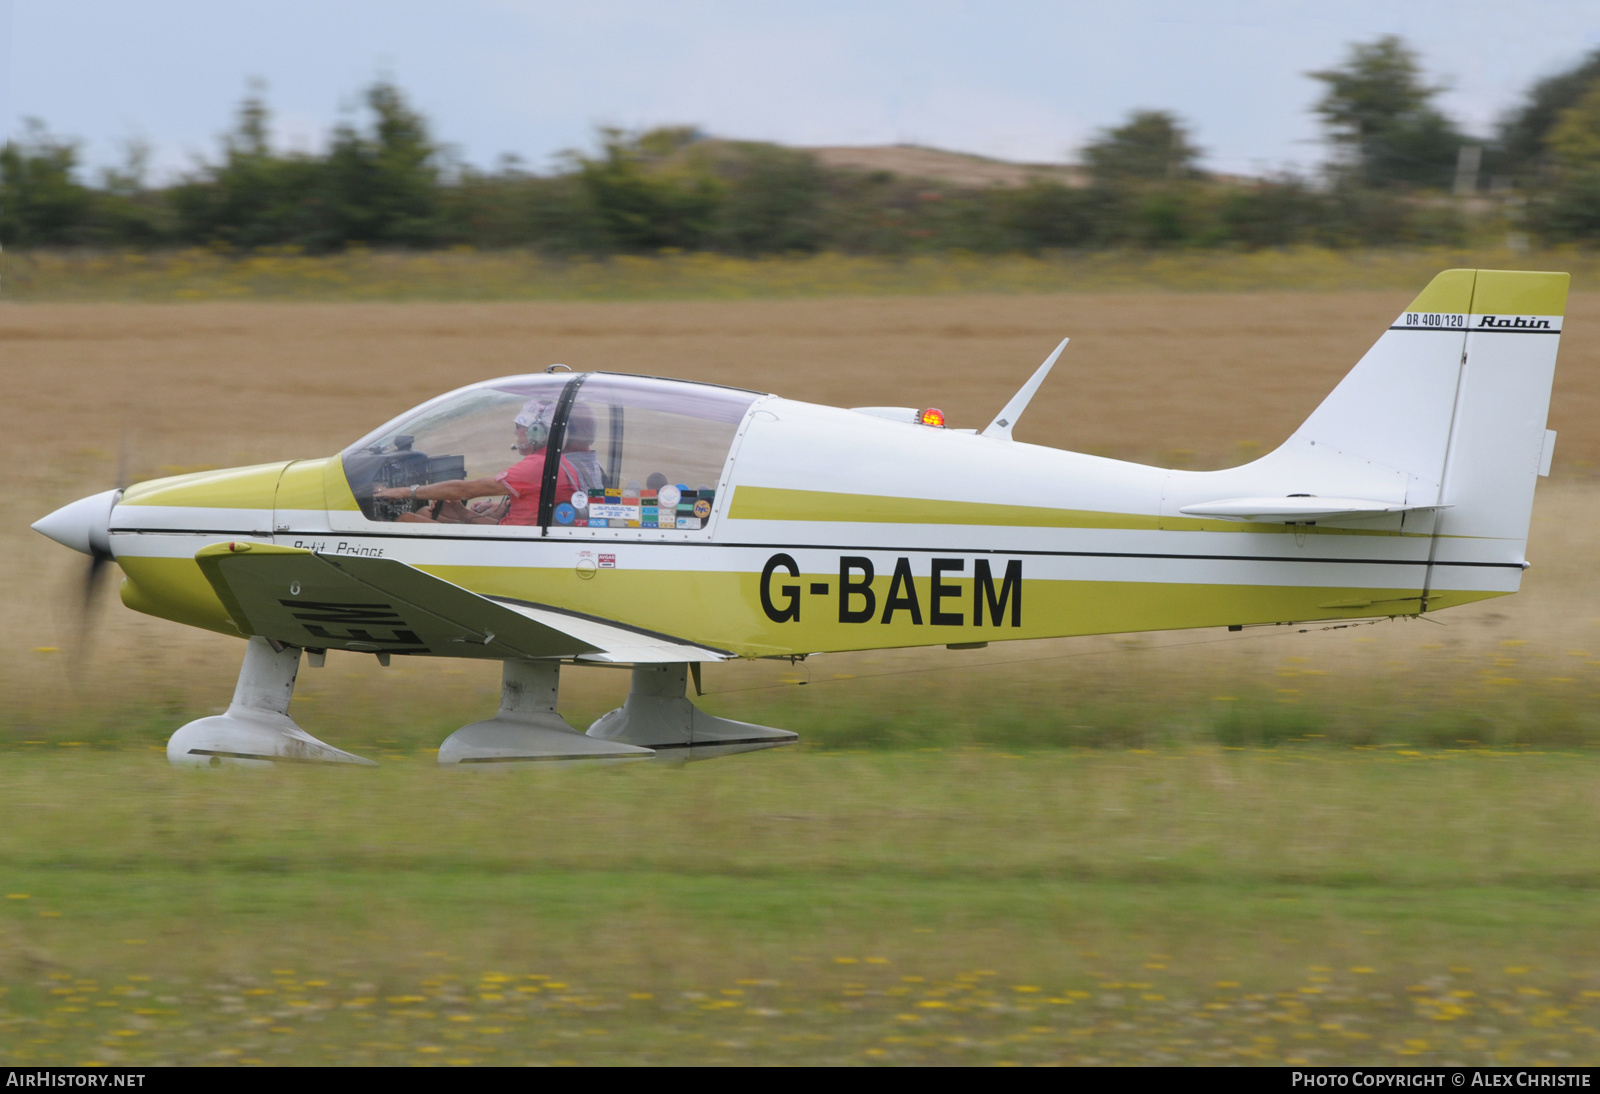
(686, 523)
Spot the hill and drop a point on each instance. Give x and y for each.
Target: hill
(957, 168)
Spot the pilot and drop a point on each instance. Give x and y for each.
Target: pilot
(520, 483)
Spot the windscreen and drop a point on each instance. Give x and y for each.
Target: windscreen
(470, 435)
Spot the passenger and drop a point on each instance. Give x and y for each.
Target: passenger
(579, 449)
(520, 483)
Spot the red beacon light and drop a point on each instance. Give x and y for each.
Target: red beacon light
(932, 416)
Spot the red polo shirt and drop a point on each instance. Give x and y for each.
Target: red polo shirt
(523, 481)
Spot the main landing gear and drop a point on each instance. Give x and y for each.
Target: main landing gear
(657, 722)
(659, 717)
(527, 728)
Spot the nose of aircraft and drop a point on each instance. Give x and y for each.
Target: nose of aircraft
(83, 525)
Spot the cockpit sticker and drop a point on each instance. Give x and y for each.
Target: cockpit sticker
(614, 508)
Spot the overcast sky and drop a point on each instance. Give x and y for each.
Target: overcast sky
(1019, 80)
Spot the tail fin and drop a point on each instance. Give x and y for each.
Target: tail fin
(1438, 432)
(1454, 399)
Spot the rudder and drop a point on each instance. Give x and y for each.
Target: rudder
(1498, 438)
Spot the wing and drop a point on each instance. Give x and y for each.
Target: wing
(379, 605)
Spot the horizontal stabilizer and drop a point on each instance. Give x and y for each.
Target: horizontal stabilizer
(379, 605)
(1299, 509)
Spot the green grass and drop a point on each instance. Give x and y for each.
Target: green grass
(1180, 690)
(464, 274)
(1184, 904)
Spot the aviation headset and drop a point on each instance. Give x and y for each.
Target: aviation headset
(535, 418)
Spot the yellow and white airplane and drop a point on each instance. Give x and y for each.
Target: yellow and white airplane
(684, 523)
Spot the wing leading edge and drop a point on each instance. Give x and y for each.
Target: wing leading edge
(377, 605)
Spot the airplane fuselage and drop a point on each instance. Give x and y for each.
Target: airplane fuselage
(834, 530)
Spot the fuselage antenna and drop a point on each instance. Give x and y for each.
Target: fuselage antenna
(1001, 426)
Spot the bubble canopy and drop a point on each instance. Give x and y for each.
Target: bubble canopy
(618, 441)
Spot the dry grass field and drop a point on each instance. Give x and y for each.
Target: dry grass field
(1371, 844)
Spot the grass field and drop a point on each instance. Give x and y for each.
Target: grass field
(1376, 843)
(1196, 905)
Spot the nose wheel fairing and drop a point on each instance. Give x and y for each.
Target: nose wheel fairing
(256, 729)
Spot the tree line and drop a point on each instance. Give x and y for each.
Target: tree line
(1400, 173)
